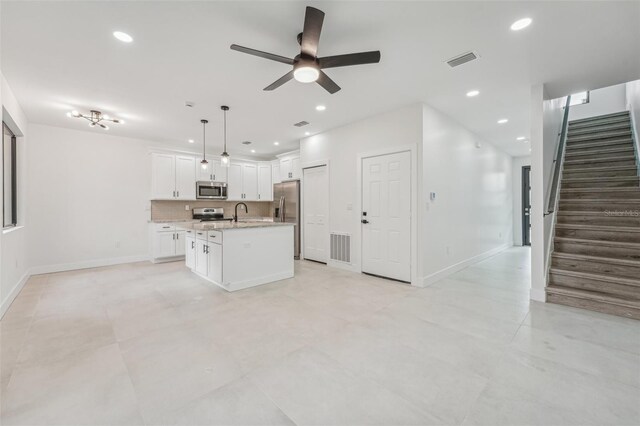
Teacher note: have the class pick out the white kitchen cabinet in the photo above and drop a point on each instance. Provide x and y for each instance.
(275, 172)
(185, 177)
(296, 170)
(201, 257)
(173, 177)
(290, 167)
(250, 181)
(265, 183)
(243, 181)
(214, 172)
(214, 272)
(234, 182)
(166, 242)
(190, 251)
(163, 176)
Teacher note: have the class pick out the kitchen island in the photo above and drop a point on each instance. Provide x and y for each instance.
(239, 255)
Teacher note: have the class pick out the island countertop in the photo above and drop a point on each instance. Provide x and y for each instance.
(226, 225)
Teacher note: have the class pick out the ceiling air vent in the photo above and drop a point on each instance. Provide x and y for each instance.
(462, 59)
(301, 123)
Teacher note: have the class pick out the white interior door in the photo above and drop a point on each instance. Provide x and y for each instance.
(315, 212)
(386, 216)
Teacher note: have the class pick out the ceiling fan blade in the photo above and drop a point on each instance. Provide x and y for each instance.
(328, 84)
(262, 54)
(372, 57)
(279, 82)
(313, 19)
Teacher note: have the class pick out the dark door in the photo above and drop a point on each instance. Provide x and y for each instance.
(526, 205)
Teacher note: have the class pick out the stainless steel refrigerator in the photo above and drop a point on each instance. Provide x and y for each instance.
(286, 208)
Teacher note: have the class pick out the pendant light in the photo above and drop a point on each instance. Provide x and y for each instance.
(225, 161)
(204, 163)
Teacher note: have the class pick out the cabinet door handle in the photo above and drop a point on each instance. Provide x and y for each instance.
(166, 227)
(174, 194)
(213, 177)
(178, 194)
(177, 236)
(193, 244)
(173, 236)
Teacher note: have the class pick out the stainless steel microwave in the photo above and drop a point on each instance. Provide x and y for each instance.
(207, 190)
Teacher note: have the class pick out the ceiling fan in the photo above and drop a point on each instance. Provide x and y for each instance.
(307, 67)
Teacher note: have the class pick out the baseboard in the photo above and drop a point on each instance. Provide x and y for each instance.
(538, 294)
(61, 267)
(16, 290)
(450, 270)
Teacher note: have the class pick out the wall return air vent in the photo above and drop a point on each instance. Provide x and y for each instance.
(301, 123)
(462, 59)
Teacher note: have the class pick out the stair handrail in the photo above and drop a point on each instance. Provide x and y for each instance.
(559, 160)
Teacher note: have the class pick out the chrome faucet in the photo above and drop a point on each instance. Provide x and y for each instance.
(246, 209)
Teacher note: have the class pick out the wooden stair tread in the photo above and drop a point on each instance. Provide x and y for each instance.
(615, 228)
(601, 243)
(601, 189)
(599, 179)
(593, 296)
(604, 135)
(601, 160)
(600, 117)
(599, 259)
(590, 213)
(600, 200)
(601, 169)
(579, 152)
(593, 276)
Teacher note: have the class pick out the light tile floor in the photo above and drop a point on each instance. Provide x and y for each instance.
(153, 344)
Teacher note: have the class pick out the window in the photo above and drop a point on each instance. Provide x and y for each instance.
(579, 98)
(9, 189)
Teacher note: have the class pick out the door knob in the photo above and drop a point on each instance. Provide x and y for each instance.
(365, 221)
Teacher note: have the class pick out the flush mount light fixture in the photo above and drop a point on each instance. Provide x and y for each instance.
(95, 118)
(253, 150)
(472, 93)
(307, 133)
(191, 141)
(520, 138)
(224, 157)
(521, 24)
(124, 37)
(306, 72)
(204, 163)
(320, 108)
(276, 143)
(502, 121)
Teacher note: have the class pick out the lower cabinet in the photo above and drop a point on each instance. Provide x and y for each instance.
(201, 257)
(215, 263)
(166, 242)
(190, 251)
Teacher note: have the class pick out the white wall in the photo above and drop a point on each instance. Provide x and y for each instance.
(632, 103)
(13, 241)
(471, 216)
(603, 101)
(518, 163)
(340, 147)
(88, 199)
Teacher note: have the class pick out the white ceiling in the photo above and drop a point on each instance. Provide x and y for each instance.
(59, 56)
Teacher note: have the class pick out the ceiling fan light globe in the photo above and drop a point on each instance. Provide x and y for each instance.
(306, 74)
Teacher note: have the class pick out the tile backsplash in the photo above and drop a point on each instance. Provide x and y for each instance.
(175, 210)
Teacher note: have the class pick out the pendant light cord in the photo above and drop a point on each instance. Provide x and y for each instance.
(225, 130)
(204, 141)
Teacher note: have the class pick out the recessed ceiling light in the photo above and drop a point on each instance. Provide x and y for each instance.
(191, 141)
(521, 24)
(520, 138)
(320, 108)
(472, 93)
(123, 36)
(502, 121)
(276, 143)
(253, 150)
(307, 133)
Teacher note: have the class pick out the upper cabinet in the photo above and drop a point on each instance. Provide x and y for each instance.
(213, 172)
(249, 181)
(290, 167)
(173, 177)
(265, 184)
(275, 171)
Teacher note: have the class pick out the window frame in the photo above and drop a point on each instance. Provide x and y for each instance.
(14, 179)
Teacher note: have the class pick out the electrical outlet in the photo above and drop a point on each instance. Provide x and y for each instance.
(349, 206)
(186, 207)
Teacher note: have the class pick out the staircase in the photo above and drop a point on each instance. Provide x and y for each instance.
(595, 262)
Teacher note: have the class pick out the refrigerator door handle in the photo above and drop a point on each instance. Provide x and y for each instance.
(281, 208)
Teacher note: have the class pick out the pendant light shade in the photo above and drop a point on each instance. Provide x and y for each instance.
(225, 160)
(204, 163)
